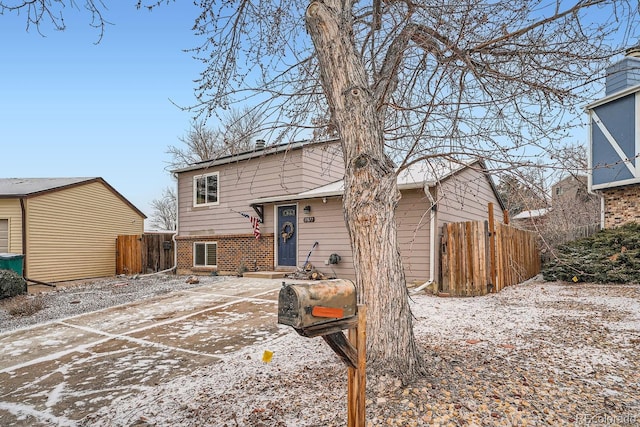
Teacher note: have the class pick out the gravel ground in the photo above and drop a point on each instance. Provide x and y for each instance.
(535, 354)
(72, 298)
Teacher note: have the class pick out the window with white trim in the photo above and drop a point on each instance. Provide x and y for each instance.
(206, 189)
(205, 254)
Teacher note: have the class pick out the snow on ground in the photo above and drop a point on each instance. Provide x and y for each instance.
(72, 298)
(534, 354)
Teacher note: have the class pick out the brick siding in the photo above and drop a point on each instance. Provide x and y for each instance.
(232, 251)
(621, 205)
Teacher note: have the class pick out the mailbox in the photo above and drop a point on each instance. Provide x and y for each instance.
(318, 308)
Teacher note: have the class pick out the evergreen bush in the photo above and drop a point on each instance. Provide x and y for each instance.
(11, 284)
(609, 256)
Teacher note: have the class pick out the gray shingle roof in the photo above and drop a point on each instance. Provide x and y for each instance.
(32, 187)
(16, 187)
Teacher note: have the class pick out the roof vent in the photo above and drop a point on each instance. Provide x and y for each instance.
(260, 144)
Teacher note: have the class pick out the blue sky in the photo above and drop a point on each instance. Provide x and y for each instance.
(71, 108)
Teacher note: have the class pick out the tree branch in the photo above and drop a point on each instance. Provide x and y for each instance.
(515, 34)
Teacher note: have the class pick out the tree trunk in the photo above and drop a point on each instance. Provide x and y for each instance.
(371, 192)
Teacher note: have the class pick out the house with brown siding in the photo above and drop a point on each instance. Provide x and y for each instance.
(297, 192)
(433, 193)
(214, 232)
(66, 228)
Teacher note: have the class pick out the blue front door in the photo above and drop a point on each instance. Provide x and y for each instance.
(286, 235)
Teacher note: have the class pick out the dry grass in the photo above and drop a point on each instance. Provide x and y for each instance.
(23, 305)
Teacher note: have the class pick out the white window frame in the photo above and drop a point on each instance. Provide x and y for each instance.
(206, 244)
(195, 189)
(8, 235)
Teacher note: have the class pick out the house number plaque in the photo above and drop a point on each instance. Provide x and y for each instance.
(310, 219)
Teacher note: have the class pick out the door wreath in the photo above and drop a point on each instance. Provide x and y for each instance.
(286, 231)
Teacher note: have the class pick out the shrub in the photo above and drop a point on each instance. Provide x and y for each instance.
(11, 284)
(242, 268)
(23, 305)
(609, 256)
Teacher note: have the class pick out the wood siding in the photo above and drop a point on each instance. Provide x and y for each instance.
(465, 196)
(329, 230)
(323, 164)
(71, 234)
(271, 175)
(10, 209)
(413, 218)
(239, 183)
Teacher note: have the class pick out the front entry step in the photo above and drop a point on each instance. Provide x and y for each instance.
(265, 274)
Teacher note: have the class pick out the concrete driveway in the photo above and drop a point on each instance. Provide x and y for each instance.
(57, 373)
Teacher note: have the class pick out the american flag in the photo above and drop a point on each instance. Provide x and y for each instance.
(255, 222)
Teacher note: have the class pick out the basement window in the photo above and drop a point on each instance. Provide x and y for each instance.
(205, 254)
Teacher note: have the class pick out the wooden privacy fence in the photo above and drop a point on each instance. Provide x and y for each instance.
(129, 254)
(475, 261)
(144, 253)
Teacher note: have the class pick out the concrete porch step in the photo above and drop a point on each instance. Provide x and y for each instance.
(265, 274)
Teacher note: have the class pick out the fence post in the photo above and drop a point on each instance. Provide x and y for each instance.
(492, 249)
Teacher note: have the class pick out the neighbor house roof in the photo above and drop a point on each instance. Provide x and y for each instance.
(533, 213)
(22, 187)
(419, 175)
(11, 188)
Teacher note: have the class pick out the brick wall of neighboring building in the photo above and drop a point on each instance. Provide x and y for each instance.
(232, 252)
(621, 205)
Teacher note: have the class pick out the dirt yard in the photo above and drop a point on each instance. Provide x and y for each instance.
(535, 354)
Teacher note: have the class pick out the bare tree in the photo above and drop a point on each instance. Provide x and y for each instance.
(407, 80)
(574, 213)
(523, 189)
(43, 12)
(165, 214)
(199, 143)
(238, 129)
(235, 135)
